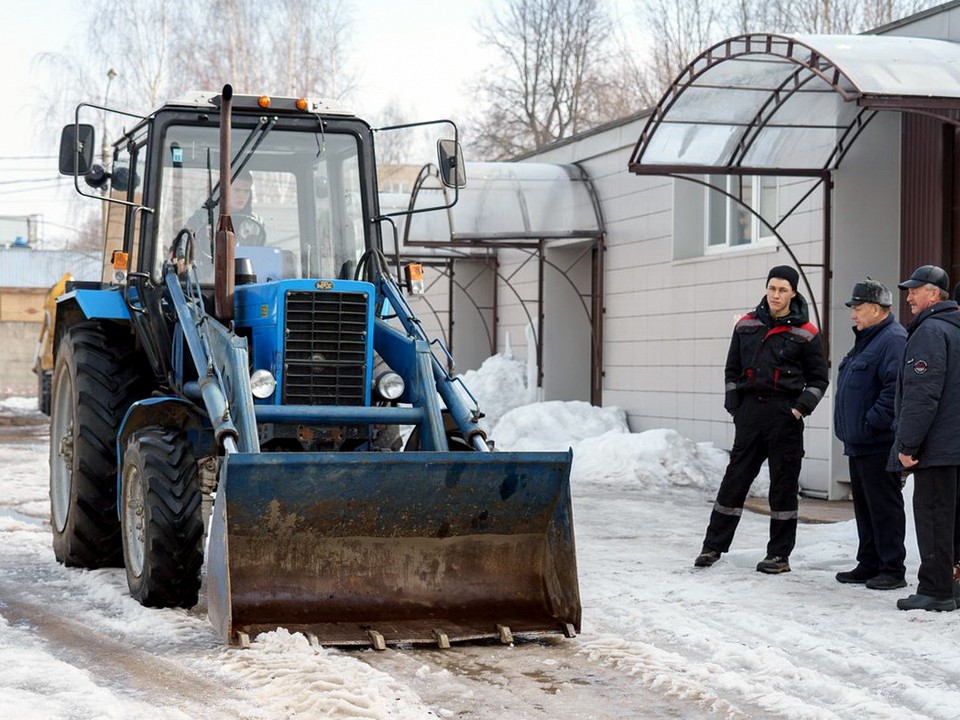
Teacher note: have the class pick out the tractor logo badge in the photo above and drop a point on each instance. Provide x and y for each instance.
(324, 285)
(264, 311)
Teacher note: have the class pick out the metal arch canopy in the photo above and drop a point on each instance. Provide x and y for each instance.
(790, 103)
(505, 203)
(524, 206)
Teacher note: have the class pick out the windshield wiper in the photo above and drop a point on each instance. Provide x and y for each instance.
(253, 141)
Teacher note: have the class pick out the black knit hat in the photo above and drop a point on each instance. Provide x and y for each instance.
(785, 272)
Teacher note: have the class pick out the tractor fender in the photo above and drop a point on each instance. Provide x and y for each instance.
(172, 412)
(79, 305)
(96, 304)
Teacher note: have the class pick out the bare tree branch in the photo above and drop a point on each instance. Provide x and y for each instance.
(558, 74)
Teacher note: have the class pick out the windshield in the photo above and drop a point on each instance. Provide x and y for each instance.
(296, 198)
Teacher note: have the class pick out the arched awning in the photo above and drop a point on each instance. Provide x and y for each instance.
(791, 103)
(506, 203)
(537, 209)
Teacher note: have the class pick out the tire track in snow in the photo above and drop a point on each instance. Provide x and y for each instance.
(715, 635)
(743, 657)
(529, 681)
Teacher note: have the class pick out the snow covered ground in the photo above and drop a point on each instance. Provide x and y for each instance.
(660, 638)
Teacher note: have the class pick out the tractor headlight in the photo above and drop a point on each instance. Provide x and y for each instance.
(262, 384)
(390, 385)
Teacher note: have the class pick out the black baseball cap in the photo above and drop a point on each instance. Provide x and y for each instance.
(927, 275)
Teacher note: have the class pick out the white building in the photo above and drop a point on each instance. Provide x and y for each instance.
(845, 145)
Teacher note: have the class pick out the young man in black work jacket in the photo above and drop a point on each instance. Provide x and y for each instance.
(776, 373)
(926, 421)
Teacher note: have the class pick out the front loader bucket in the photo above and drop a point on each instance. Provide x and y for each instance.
(361, 548)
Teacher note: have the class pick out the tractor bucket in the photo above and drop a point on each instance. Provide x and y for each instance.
(388, 548)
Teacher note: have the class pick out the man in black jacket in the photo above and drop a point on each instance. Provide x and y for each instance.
(776, 374)
(863, 419)
(927, 418)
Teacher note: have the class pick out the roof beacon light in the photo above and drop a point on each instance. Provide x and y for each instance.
(302, 104)
(264, 101)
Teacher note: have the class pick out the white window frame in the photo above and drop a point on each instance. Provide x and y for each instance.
(723, 215)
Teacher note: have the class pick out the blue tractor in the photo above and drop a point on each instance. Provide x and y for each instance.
(227, 403)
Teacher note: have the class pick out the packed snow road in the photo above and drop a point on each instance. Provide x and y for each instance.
(660, 639)
(74, 645)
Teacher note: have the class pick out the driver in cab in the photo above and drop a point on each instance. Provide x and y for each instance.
(247, 226)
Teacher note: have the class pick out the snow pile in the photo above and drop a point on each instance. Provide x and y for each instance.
(313, 682)
(604, 449)
(556, 425)
(653, 458)
(19, 405)
(499, 385)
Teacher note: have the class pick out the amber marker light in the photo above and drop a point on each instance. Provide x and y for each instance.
(302, 104)
(120, 261)
(264, 101)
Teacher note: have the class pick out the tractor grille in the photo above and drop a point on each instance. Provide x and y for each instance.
(325, 349)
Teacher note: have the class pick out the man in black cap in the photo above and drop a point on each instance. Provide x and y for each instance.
(775, 376)
(927, 418)
(862, 420)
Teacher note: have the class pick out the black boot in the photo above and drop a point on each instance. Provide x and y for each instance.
(774, 565)
(857, 576)
(706, 558)
(927, 602)
(886, 581)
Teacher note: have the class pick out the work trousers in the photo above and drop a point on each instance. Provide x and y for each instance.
(878, 506)
(935, 512)
(765, 430)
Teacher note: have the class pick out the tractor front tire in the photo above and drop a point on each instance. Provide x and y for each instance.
(162, 520)
(96, 378)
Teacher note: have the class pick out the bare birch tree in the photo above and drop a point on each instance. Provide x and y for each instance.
(281, 46)
(682, 29)
(554, 76)
(138, 36)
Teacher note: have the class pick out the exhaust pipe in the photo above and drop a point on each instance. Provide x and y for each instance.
(224, 243)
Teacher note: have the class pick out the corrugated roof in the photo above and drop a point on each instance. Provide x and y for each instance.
(30, 268)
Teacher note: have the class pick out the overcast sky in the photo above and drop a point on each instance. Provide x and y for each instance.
(421, 54)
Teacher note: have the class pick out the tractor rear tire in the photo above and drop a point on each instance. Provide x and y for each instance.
(162, 519)
(96, 378)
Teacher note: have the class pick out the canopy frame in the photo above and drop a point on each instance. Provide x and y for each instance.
(813, 66)
(534, 243)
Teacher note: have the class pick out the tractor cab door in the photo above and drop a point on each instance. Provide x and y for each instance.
(121, 222)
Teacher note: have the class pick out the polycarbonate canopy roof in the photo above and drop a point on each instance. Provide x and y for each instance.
(505, 201)
(791, 102)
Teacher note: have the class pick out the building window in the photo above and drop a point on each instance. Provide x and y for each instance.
(727, 223)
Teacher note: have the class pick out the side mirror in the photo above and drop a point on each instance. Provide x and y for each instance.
(453, 173)
(76, 149)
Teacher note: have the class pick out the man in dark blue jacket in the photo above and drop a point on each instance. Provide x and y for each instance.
(775, 374)
(862, 419)
(927, 418)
